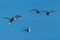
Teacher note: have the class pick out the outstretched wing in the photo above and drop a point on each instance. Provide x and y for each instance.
(51, 11)
(22, 30)
(17, 16)
(5, 17)
(33, 10)
(30, 27)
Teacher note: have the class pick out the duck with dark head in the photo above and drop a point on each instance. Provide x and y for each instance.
(27, 29)
(13, 18)
(49, 12)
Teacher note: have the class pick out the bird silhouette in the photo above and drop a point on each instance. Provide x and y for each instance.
(36, 10)
(27, 29)
(49, 12)
(12, 19)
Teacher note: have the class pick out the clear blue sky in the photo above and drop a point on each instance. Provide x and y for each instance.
(43, 28)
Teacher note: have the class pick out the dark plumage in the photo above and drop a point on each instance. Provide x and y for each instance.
(13, 18)
(49, 12)
(27, 30)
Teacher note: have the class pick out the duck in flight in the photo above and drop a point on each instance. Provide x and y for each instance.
(13, 18)
(49, 12)
(27, 29)
(36, 10)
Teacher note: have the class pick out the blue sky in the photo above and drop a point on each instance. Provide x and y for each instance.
(43, 27)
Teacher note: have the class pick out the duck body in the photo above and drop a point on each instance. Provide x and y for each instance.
(28, 30)
(47, 13)
(12, 19)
